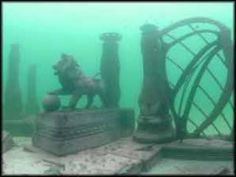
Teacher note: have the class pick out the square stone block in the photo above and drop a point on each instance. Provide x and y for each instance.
(66, 132)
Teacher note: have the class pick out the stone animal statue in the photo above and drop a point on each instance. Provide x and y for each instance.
(74, 82)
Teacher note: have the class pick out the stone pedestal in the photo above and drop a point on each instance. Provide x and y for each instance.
(66, 132)
(13, 106)
(22, 127)
(110, 68)
(154, 130)
(155, 125)
(7, 141)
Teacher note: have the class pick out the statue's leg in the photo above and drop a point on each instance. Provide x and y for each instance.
(73, 101)
(89, 100)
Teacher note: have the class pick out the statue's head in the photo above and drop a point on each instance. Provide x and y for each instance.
(65, 64)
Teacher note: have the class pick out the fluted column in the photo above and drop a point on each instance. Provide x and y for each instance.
(110, 69)
(12, 96)
(154, 121)
(32, 106)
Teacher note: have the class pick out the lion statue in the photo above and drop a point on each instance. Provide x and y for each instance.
(74, 82)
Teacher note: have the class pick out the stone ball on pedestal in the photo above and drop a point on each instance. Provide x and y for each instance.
(51, 102)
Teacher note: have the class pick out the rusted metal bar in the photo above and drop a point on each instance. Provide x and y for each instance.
(176, 64)
(200, 110)
(212, 75)
(222, 41)
(226, 43)
(176, 41)
(183, 94)
(188, 49)
(196, 83)
(191, 121)
(181, 102)
(214, 104)
(183, 78)
(218, 83)
(199, 32)
(205, 115)
(204, 92)
(215, 79)
(184, 45)
(196, 20)
(192, 20)
(190, 65)
(175, 115)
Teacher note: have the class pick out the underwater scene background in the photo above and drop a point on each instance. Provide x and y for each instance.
(46, 30)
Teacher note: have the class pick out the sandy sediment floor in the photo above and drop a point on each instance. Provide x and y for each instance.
(113, 158)
(193, 167)
(108, 159)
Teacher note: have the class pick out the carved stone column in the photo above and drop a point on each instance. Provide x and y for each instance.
(110, 68)
(13, 107)
(154, 122)
(32, 106)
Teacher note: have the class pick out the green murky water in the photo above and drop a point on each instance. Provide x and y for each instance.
(45, 30)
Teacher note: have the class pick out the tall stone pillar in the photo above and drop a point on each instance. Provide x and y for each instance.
(32, 106)
(12, 97)
(154, 122)
(110, 69)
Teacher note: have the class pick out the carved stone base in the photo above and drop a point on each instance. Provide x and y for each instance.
(154, 130)
(7, 141)
(63, 133)
(21, 127)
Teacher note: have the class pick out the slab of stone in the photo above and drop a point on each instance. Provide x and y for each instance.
(21, 127)
(123, 156)
(199, 149)
(105, 164)
(108, 159)
(154, 129)
(68, 132)
(191, 167)
(7, 141)
(207, 142)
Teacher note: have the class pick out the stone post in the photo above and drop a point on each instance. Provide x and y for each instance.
(154, 122)
(110, 69)
(32, 106)
(12, 96)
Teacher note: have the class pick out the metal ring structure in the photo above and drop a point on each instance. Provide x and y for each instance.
(199, 63)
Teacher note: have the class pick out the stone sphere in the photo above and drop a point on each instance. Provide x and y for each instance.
(51, 102)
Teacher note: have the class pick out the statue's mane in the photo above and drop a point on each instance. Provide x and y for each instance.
(69, 71)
